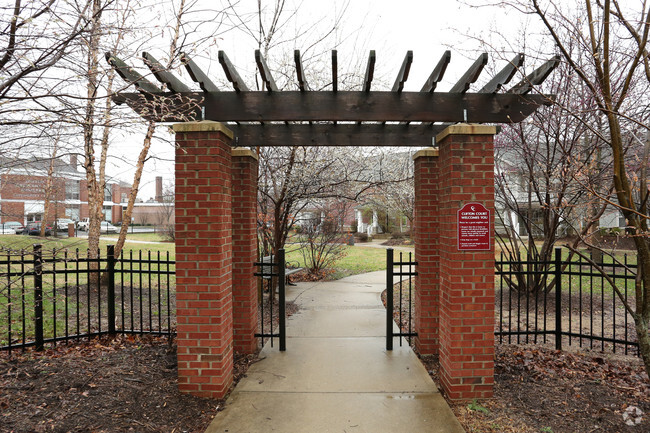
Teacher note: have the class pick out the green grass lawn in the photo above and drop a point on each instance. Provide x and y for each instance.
(357, 260)
(20, 242)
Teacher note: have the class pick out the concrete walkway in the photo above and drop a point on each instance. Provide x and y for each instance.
(336, 375)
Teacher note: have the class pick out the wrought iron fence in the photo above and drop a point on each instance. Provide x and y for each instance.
(566, 301)
(58, 295)
(406, 271)
(272, 278)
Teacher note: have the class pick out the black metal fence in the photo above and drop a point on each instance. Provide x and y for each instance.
(406, 270)
(566, 302)
(58, 295)
(272, 278)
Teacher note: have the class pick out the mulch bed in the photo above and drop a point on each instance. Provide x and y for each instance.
(129, 384)
(107, 385)
(125, 383)
(543, 390)
(538, 389)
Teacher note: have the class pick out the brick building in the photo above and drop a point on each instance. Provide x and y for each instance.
(23, 191)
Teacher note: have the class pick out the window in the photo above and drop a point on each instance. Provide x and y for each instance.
(108, 195)
(107, 211)
(72, 211)
(72, 190)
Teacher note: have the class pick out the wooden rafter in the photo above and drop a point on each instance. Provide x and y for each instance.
(231, 73)
(300, 72)
(335, 72)
(504, 76)
(370, 71)
(537, 77)
(197, 75)
(131, 76)
(163, 75)
(403, 73)
(265, 72)
(471, 75)
(437, 74)
(327, 118)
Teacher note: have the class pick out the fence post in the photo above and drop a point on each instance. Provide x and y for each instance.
(281, 300)
(38, 296)
(110, 269)
(389, 299)
(558, 299)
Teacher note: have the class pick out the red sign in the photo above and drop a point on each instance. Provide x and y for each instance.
(474, 232)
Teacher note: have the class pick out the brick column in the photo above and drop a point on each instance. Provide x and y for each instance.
(204, 258)
(244, 245)
(427, 283)
(466, 277)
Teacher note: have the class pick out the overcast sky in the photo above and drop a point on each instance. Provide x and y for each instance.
(389, 27)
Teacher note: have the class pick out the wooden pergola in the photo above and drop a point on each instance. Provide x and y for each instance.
(216, 190)
(363, 117)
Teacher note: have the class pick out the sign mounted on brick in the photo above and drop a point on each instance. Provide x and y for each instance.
(474, 232)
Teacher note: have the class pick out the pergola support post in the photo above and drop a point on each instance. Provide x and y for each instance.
(244, 244)
(466, 334)
(427, 284)
(204, 258)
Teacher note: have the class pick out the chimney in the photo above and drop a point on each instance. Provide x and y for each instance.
(73, 160)
(159, 189)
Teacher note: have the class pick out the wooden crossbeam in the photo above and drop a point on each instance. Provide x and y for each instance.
(335, 135)
(471, 75)
(403, 73)
(438, 73)
(265, 72)
(163, 75)
(131, 76)
(344, 106)
(302, 81)
(231, 73)
(370, 71)
(335, 72)
(504, 76)
(197, 74)
(537, 77)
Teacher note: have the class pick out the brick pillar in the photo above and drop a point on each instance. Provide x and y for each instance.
(427, 283)
(466, 277)
(244, 245)
(204, 258)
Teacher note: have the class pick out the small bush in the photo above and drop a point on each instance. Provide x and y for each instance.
(362, 237)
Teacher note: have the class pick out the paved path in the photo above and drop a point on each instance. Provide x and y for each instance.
(336, 375)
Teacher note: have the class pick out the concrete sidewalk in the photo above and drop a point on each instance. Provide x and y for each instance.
(336, 375)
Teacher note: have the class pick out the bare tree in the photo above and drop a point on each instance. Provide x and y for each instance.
(605, 44)
(321, 236)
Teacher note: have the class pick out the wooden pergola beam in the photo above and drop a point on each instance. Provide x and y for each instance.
(358, 106)
(335, 135)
